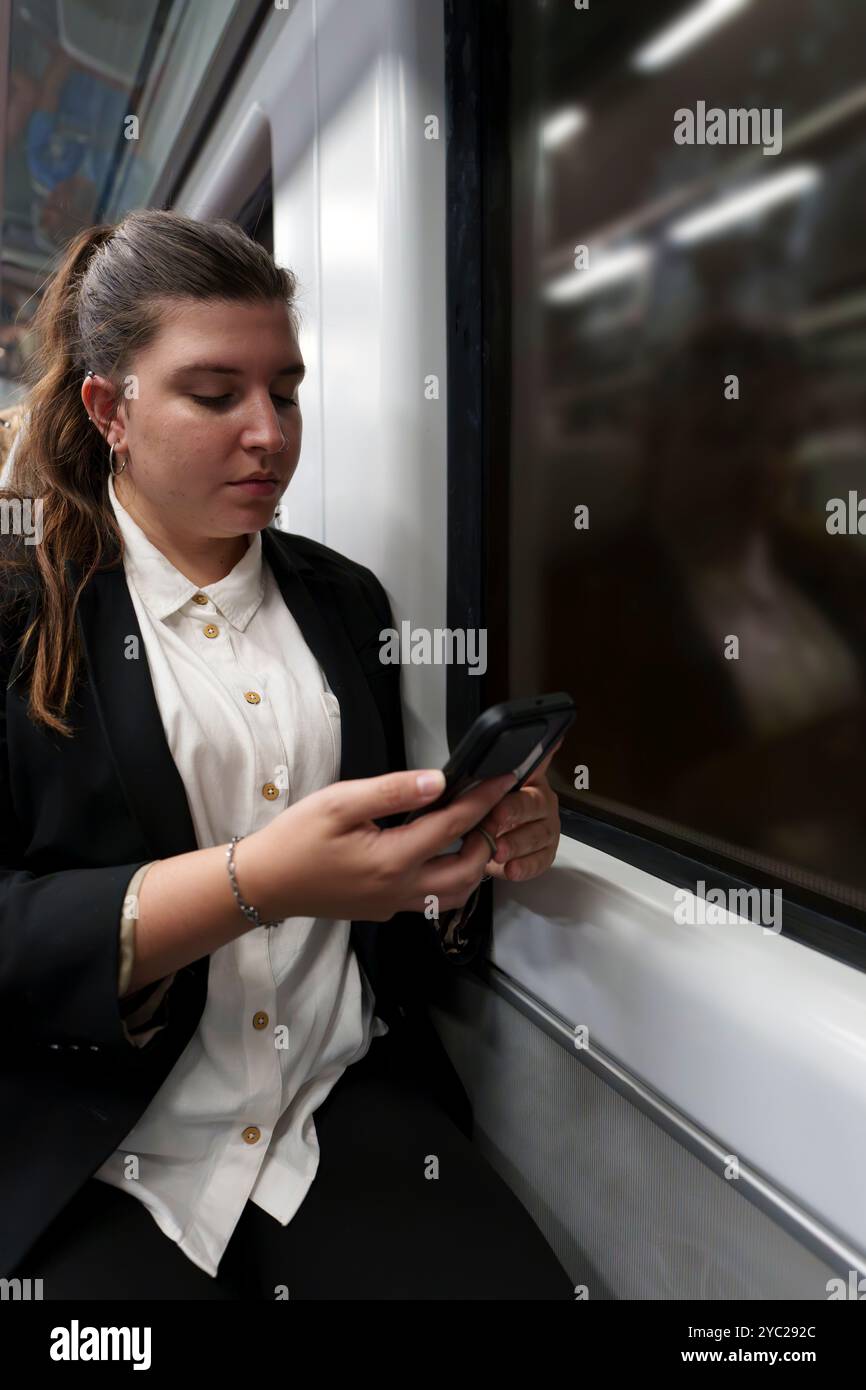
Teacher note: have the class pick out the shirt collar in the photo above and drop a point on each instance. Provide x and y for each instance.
(162, 587)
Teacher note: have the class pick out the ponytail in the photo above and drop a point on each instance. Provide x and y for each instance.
(59, 460)
(103, 304)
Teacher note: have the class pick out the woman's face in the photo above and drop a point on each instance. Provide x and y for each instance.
(213, 399)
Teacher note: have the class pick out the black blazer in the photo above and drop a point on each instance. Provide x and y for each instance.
(78, 816)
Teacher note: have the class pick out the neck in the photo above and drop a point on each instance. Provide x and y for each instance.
(202, 560)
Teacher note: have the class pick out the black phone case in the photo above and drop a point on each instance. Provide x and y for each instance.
(515, 735)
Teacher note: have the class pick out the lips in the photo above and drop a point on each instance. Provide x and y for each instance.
(258, 487)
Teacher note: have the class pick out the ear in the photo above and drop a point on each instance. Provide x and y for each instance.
(98, 396)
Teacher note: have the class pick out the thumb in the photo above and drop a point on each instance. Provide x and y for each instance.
(371, 798)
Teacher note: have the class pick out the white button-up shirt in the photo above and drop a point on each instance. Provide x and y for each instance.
(247, 711)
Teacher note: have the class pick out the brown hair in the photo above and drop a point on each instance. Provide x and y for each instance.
(102, 306)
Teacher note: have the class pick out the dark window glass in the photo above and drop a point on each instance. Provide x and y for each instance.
(695, 379)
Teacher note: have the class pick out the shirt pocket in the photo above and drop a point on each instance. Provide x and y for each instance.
(335, 724)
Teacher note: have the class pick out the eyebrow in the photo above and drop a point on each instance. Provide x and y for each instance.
(297, 369)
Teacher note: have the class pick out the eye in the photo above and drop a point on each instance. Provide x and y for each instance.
(216, 402)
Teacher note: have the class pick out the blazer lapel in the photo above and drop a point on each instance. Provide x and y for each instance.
(309, 600)
(124, 696)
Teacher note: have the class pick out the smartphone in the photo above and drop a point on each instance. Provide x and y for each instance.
(514, 736)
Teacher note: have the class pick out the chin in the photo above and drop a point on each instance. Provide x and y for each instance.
(253, 514)
(250, 502)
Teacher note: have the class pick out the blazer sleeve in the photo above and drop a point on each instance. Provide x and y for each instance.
(59, 944)
(59, 937)
(458, 943)
(142, 1013)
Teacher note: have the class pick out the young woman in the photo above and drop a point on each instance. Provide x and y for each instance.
(205, 936)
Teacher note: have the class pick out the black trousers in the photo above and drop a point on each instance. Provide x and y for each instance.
(372, 1226)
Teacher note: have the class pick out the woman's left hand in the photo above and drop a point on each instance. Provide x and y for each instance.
(525, 826)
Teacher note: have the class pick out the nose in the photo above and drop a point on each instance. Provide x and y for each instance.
(262, 427)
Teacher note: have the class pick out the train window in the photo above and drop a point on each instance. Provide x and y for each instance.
(104, 98)
(683, 411)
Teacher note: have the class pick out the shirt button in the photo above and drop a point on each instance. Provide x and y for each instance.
(211, 630)
(252, 1134)
(199, 598)
(270, 792)
(260, 1020)
(252, 697)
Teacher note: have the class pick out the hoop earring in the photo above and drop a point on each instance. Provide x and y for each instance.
(112, 470)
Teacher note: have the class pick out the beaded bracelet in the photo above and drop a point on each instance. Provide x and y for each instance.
(249, 912)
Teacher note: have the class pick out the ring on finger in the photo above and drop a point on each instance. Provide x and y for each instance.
(490, 840)
(492, 843)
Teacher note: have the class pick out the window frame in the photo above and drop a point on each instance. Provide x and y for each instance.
(479, 386)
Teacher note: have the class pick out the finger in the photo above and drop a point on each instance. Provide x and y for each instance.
(528, 839)
(368, 798)
(527, 866)
(432, 833)
(529, 804)
(474, 854)
(457, 875)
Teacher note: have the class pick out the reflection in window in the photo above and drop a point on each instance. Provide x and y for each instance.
(689, 350)
(97, 93)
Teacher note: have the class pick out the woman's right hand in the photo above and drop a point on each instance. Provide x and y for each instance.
(325, 857)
